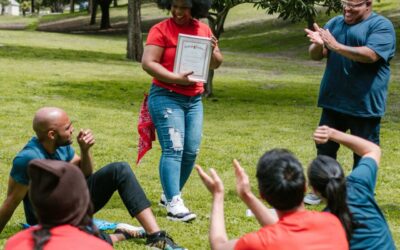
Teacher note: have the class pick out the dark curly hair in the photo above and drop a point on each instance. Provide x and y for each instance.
(199, 8)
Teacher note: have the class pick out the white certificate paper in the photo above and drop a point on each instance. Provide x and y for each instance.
(193, 53)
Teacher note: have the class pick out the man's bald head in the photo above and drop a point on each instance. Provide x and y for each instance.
(47, 118)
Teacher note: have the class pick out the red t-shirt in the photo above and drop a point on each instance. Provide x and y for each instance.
(165, 34)
(298, 230)
(65, 237)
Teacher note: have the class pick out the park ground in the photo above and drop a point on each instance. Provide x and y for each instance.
(264, 97)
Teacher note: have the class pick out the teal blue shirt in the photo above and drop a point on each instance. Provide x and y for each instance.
(373, 232)
(19, 171)
(354, 88)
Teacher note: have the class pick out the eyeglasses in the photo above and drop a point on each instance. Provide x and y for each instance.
(351, 6)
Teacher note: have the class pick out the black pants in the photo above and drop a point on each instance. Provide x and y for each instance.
(367, 128)
(117, 176)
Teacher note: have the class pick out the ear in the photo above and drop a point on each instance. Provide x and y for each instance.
(51, 134)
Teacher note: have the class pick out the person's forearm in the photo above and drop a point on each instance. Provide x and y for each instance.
(216, 59)
(217, 234)
(6, 211)
(158, 71)
(261, 212)
(357, 144)
(86, 163)
(316, 52)
(359, 54)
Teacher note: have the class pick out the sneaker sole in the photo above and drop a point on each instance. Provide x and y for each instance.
(311, 202)
(162, 204)
(186, 218)
(123, 227)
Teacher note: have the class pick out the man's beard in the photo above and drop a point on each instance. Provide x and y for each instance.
(61, 143)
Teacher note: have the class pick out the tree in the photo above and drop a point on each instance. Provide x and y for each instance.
(24, 7)
(298, 10)
(105, 13)
(4, 3)
(93, 11)
(38, 5)
(135, 41)
(72, 6)
(56, 6)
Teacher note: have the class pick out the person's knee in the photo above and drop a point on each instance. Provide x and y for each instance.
(191, 153)
(123, 168)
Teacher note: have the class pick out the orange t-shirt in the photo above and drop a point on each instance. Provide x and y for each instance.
(165, 34)
(65, 237)
(299, 230)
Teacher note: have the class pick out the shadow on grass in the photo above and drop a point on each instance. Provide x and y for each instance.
(264, 36)
(25, 52)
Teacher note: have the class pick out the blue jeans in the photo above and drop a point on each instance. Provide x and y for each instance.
(364, 127)
(179, 122)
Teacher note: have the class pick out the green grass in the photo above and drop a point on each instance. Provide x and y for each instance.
(265, 97)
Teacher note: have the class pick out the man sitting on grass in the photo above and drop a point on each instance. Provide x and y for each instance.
(281, 183)
(53, 141)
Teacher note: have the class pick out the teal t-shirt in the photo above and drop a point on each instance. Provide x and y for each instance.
(19, 171)
(373, 231)
(354, 88)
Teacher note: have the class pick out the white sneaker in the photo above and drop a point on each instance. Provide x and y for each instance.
(311, 199)
(177, 210)
(163, 201)
(129, 231)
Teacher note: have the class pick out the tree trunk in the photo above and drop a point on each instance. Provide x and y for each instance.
(72, 6)
(105, 14)
(33, 6)
(115, 3)
(208, 86)
(135, 41)
(93, 13)
(219, 29)
(3, 9)
(90, 4)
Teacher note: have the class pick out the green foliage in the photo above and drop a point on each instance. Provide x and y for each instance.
(4, 2)
(25, 5)
(298, 10)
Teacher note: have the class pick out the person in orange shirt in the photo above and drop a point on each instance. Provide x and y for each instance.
(281, 182)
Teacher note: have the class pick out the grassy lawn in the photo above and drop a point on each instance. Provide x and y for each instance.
(265, 97)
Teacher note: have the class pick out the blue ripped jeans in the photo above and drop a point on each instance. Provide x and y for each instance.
(179, 122)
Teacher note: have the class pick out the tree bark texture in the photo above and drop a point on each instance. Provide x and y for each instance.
(135, 41)
(95, 4)
(32, 6)
(105, 14)
(72, 6)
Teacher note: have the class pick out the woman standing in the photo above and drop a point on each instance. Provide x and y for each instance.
(175, 100)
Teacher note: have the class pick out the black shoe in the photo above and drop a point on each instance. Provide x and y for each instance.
(161, 240)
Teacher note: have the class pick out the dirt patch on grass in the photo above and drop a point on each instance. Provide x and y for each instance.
(13, 26)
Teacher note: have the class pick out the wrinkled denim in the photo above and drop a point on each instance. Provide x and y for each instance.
(179, 121)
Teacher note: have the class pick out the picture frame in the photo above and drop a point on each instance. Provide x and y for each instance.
(193, 53)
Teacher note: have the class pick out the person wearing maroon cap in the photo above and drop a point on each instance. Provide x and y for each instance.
(61, 200)
(53, 141)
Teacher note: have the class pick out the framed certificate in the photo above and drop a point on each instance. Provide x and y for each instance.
(193, 53)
